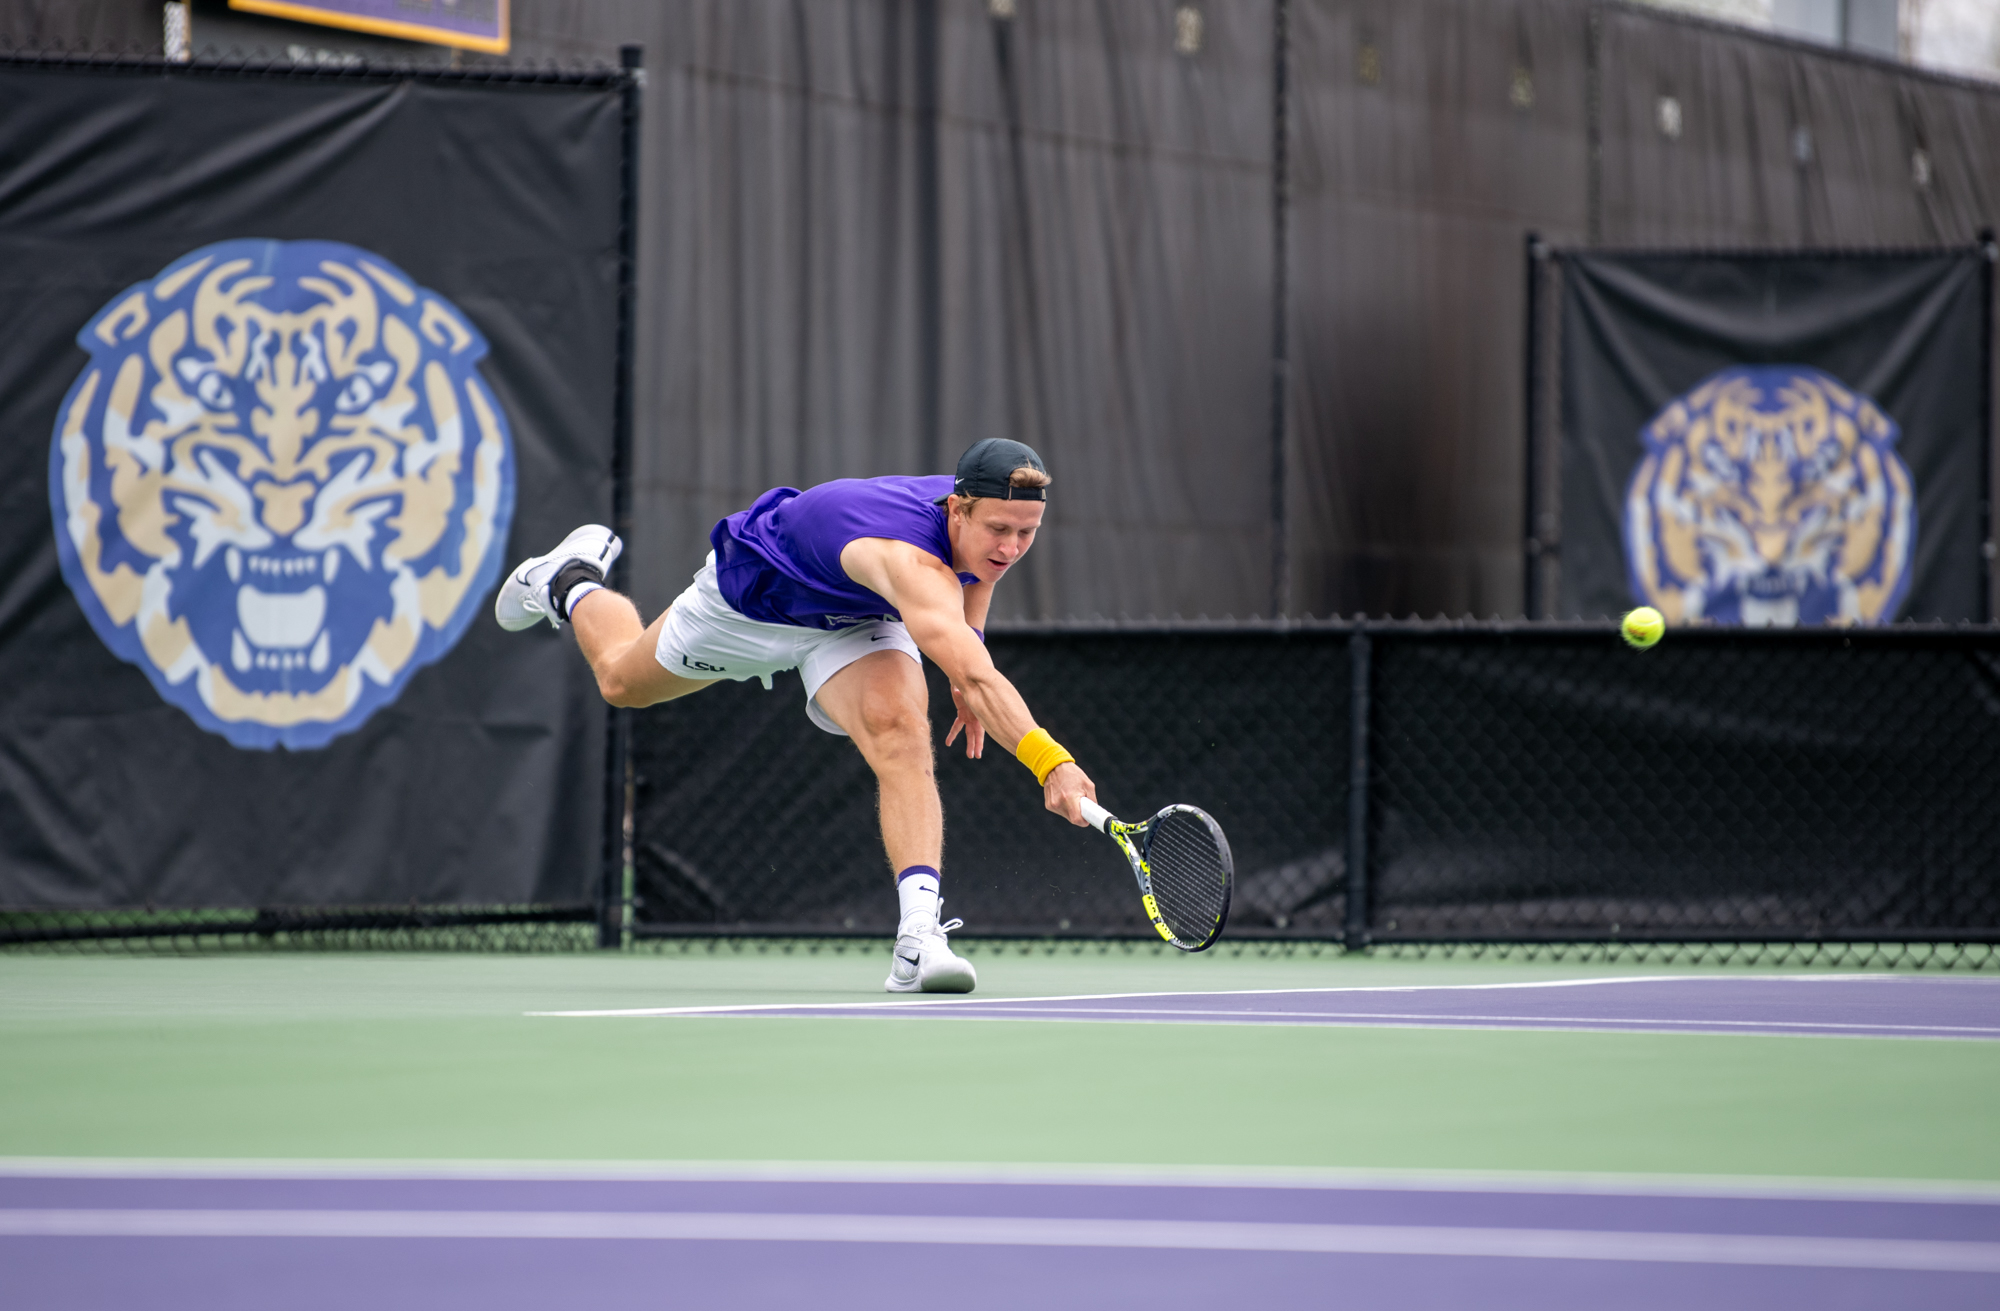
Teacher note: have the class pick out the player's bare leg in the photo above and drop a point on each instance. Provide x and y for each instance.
(621, 652)
(883, 704)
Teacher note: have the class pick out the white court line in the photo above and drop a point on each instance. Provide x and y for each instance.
(978, 1002)
(1810, 1026)
(1022, 1231)
(1222, 1019)
(1063, 1174)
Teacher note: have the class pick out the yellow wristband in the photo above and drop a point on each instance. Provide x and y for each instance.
(1041, 754)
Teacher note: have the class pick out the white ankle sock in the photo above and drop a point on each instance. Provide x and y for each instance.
(917, 891)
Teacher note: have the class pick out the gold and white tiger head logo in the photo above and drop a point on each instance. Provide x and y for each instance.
(280, 485)
(1771, 496)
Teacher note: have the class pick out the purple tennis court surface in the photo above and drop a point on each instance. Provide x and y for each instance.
(1855, 1006)
(217, 1242)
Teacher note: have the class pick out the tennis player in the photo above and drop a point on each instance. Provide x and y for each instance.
(847, 583)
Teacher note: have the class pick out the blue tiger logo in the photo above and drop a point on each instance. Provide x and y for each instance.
(1771, 496)
(280, 485)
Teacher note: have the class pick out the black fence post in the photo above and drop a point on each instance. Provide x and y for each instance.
(1359, 659)
(1989, 251)
(1281, 55)
(930, 240)
(1531, 392)
(610, 897)
(1593, 122)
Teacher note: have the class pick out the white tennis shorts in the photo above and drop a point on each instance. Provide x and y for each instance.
(705, 638)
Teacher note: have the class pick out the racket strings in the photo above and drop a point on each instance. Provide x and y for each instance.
(1189, 875)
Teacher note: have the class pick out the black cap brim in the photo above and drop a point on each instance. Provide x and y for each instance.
(987, 470)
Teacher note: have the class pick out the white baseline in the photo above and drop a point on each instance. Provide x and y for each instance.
(1019, 1231)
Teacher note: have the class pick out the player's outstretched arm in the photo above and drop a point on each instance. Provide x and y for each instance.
(978, 599)
(929, 598)
(946, 638)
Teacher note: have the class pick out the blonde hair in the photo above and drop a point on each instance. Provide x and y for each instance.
(1025, 476)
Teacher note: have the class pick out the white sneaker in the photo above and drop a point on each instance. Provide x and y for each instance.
(524, 597)
(925, 962)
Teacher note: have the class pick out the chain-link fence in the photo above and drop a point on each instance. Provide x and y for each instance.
(353, 928)
(1814, 797)
(1527, 783)
(1739, 785)
(746, 815)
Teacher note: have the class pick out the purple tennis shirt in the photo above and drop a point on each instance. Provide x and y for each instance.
(779, 560)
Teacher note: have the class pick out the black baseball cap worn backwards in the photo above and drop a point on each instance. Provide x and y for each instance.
(984, 470)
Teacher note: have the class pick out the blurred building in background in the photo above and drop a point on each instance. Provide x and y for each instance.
(1950, 36)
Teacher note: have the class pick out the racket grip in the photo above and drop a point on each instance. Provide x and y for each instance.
(1094, 814)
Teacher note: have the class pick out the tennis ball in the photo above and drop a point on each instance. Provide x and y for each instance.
(1643, 627)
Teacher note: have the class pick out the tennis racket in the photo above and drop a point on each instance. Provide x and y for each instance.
(1183, 866)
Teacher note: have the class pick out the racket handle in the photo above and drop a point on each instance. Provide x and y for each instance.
(1094, 814)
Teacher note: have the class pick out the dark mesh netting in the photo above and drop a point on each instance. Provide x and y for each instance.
(1524, 783)
(332, 928)
(1780, 785)
(748, 815)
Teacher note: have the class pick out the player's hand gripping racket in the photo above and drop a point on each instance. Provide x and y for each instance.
(1183, 866)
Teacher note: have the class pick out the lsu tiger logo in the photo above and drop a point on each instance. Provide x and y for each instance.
(280, 485)
(1771, 496)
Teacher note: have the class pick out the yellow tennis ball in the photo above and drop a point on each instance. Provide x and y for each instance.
(1643, 627)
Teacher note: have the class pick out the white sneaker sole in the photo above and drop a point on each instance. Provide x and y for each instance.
(516, 607)
(951, 975)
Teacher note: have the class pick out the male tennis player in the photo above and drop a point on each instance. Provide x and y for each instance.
(846, 582)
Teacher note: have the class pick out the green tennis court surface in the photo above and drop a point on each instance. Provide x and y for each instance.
(436, 1057)
(1125, 1128)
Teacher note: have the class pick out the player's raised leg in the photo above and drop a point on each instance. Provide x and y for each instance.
(882, 703)
(623, 654)
(568, 583)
